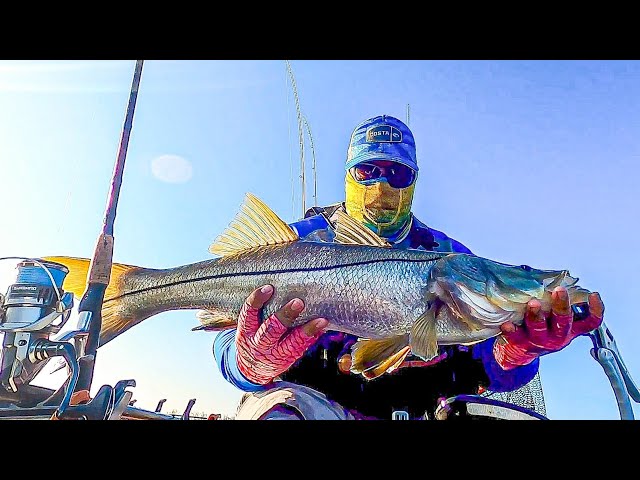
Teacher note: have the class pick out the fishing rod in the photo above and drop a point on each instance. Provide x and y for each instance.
(90, 307)
(300, 136)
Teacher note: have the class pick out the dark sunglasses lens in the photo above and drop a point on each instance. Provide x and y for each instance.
(365, 171)
(400, 176)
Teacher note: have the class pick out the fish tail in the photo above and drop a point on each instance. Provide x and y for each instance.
(114, 321)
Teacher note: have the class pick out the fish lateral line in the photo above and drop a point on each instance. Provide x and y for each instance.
(262, 272)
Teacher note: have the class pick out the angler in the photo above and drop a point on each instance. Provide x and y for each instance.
(316, 380)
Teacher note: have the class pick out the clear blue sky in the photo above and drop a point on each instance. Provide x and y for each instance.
(532, 162)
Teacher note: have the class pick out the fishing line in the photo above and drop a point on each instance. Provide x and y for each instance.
(300, 136)
(67, 201)
(74, 164)
(313, 163)
(44, 267)
(293, 197)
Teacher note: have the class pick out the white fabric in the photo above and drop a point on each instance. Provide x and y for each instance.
(311, 404)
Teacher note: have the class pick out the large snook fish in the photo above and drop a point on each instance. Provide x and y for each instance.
(396, 301)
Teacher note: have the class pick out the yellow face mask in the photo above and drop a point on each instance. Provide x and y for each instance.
(382, 208)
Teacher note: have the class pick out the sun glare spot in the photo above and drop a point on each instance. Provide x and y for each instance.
(171, 169)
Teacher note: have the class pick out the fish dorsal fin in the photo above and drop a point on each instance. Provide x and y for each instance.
(255, 225)
(350, 231)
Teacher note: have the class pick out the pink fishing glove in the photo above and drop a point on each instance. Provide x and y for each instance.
(544, 332)
(266, 350)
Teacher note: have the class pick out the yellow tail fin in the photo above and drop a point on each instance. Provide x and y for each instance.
(76, 282)
(76, 279)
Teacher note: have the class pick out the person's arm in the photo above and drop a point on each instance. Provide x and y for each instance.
(224, 353)
(501, 380)
(310, 226)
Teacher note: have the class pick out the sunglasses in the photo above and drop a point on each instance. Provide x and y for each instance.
(396, 175)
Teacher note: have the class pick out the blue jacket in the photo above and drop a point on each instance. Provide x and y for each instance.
(315, 226)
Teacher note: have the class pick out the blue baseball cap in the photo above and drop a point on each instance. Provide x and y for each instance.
(382, 138)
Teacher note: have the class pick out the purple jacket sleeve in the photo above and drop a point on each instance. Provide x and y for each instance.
(503, 380)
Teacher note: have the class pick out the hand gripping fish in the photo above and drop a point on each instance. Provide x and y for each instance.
(395, 301)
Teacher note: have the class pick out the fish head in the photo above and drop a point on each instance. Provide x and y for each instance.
(488, 293)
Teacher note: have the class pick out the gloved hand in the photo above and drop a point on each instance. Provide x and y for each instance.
(268, 349)
(544, 332)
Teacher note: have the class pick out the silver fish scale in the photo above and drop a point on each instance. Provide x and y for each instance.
(373, 300)
(367, 291)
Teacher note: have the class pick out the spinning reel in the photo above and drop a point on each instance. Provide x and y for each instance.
(33, 310)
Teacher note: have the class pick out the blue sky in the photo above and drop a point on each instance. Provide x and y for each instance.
(533, 162)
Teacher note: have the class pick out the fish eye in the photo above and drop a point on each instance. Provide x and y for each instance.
(526, 268)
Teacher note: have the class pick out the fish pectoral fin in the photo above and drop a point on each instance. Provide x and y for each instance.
(423, 338)
(214, 321)
(349, 231)
(378, 356)
(256, 225)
